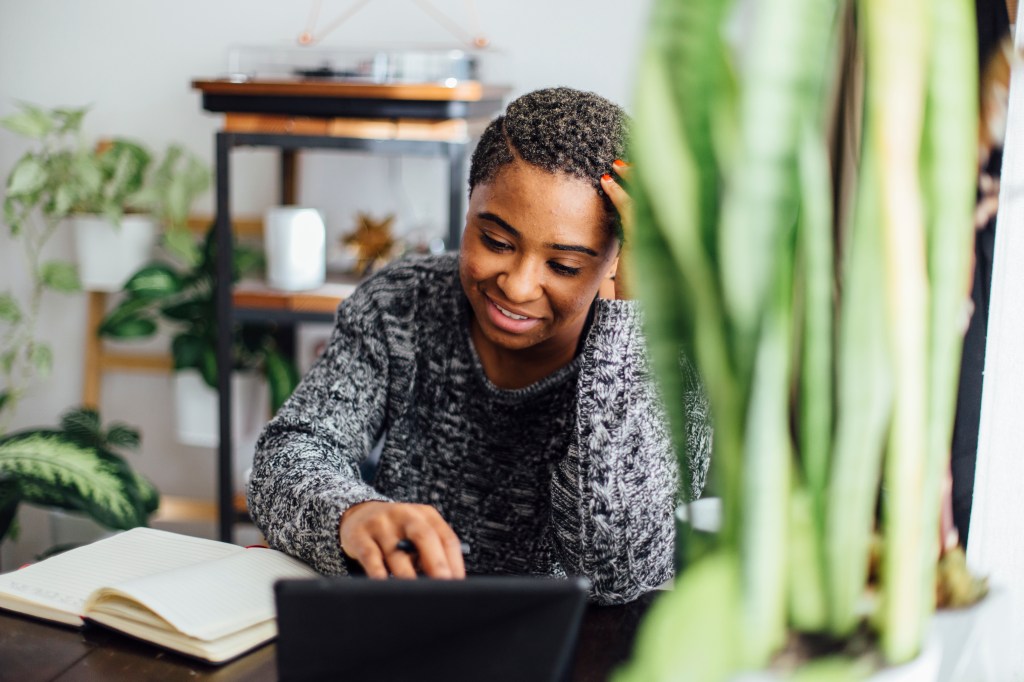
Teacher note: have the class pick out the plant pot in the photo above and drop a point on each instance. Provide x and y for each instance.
(197, 415)
(923, 668)
(69, 529)
(109, 254)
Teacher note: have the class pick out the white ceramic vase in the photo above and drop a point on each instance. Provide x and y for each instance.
(296, 248)
(109, 254)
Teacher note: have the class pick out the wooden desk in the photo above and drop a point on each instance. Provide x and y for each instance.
(32, 651)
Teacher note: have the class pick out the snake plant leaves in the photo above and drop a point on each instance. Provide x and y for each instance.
(50, 469)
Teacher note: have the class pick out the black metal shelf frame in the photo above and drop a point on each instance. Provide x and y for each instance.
(455, 153)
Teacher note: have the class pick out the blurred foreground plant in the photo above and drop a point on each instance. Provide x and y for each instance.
(829, 339)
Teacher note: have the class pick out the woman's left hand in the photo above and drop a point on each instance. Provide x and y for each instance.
(624, 205)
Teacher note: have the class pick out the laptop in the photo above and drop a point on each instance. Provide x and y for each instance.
(491, 628)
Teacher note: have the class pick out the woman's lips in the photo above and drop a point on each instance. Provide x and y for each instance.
(509, 324)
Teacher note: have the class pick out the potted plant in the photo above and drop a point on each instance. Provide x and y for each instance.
(75, 468)
(828, 339)
(182, 296)
(110, 192)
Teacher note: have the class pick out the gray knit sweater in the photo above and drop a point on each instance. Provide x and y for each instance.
(572, 475)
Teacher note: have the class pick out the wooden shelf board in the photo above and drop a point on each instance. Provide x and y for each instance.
(175, 508)
(135, 362)
(325, 299)
(463, 91)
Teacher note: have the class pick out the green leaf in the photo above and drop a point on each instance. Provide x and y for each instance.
(187, 351)
(10, 311)
(63, 200)
(247, 261)
(129, 327)
(50, 469)
(10, 496)
(32, 122)
(132, 308)
(5, 396)
(190, 310)
(208, 366)
(7, 360)
(11, 215)
(82, 425)
(123, 436)
(282, 378)
(42, 358)
(60, 276)
(153, 281)
(69, 120)
(181, 243)
(673, 644)
(27, 177)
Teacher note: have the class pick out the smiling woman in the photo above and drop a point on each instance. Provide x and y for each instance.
(510, 387)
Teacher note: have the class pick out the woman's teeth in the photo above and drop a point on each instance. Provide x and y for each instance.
(509, 314)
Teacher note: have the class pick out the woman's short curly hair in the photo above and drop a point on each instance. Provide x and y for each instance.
(560, 130)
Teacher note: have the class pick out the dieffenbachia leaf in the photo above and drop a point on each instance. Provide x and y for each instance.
(50, 469)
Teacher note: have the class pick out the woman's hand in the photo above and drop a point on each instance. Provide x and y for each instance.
(370, 531)
(624, 205)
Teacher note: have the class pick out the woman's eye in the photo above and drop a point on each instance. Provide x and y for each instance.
(492, 243)
(564, 269)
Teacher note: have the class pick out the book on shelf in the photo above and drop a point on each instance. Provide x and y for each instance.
(207, 599)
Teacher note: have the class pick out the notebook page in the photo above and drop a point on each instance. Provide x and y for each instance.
(214, 599)
(63, 582)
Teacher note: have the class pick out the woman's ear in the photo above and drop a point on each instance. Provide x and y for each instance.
(607, 286)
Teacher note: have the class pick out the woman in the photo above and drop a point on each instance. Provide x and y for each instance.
(516, 409)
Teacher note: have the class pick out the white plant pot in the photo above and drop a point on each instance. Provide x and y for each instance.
(72, 529)
(109, 254)
(923, 668)
(197, 415)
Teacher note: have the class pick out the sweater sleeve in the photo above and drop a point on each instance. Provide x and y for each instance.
(306, 466)
(614, 494)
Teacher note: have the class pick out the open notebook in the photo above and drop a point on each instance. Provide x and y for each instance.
(207, 599)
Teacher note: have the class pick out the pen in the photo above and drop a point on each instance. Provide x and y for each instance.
(406, 545)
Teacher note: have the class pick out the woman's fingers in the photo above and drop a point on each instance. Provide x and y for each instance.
(623, 169)
(451, 546)
(624, 205)
(433, 558)
(371, 533)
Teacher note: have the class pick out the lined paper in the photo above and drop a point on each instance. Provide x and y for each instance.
(63, 582)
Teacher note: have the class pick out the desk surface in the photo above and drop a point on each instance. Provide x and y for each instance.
(32, 650)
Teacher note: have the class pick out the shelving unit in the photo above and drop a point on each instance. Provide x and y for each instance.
(396, 120)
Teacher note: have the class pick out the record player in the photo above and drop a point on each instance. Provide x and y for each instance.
(423, 83)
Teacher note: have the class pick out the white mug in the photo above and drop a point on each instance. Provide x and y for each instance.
(295, 243)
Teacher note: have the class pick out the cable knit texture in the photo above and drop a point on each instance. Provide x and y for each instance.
(572, 475)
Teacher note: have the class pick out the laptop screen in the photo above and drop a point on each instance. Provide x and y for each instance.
(481, 628)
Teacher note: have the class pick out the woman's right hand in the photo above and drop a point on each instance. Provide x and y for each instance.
(370, 532)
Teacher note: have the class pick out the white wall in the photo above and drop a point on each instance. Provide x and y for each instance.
(133, 61)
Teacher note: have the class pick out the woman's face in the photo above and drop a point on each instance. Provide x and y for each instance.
(535, 250)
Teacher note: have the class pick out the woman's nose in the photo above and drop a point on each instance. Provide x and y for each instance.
(521, 282)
